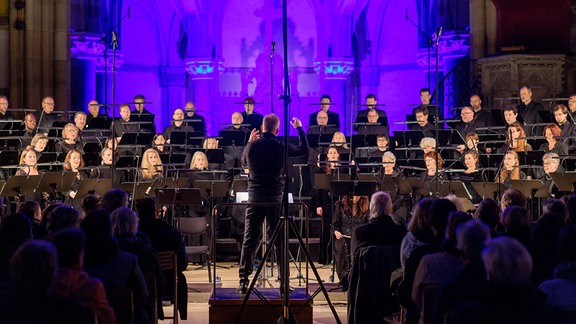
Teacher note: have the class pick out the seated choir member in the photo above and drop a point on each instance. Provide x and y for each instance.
(72, 163)
(322, 125)
(151, 165)
(471, 161)
(251, 117)
(339, 142)
(104, 170)
(177, 125)
(551, 163)
(38, 144)
(210, 143)
(323, 203)
(28, 165)
(510, 169)
(518, 140)
(382, 142)
(553, 145)
(349, 213)
(568, 128)
(433, 169)
(158, 142)
(70, 140)
(421, 115)
(399, 203)
(199, 161)
(333, 118)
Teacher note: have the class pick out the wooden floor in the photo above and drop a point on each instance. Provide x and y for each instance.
(198, 301)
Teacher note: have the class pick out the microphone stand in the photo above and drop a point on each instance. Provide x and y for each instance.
(272, 52)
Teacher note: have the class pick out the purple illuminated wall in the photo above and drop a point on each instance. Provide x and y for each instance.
(217, 52)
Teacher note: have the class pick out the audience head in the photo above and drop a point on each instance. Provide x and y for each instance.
(100, 245)
(90, 203)
(63, 217)
(488, 212)
(113, 199)
(507, 261)
(33, 268)
(512, 197)
(516, 222)
(31, 209)
(471, 237)
(69, 243)
(421, 216)
(440, 210)
(125, 222)
(555, 206)
(380, 205)
(567, 243)
(146, 208)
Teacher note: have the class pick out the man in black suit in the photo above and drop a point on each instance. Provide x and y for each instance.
(333, 118)
(482, 117)
(528, 110)
(251, 117)
(194, 120)
(422, 122)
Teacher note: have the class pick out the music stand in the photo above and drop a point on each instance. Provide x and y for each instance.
(373, 177)
(48, 157)
(234, 137)
(564, 181)
(93, 186)
(99, 123)
(131, 139)
(457, 188)
(314, 140)
(418, 186)
(9, 158)
(21, 186)
(173, 158)
(530, 188)
(175, 183)
(322, 181)
(487, 189)
(179, 196)
(408, 138)
(215, 155)
(138, 190)
(212, 188)
(240, 185)
(53, 182)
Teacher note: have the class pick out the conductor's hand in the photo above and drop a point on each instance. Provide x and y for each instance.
(338, 235)
(319, 211)
(296, 122)
(254, 134)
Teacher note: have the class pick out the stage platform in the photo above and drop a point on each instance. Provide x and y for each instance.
(225, 307)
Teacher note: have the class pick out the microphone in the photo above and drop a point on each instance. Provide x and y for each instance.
(273, 46)
(438, 34)
(114, 39)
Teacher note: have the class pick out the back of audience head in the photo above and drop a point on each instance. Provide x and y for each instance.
(31, 209)
(571, 204)
(90, 203)
(507, 261)
(556, 206)
(100, 245)
(146, 209)
(440, 210)
(125, 222)
(63, 217)
(488, 212)
(454, 220)
(471, 239)
(14, 230)
(456, 201)
(566, 244)
(421, 216)
(547, 227)
(380, 205)
(113, 199)
(33, 267)
(69, 243)
(512, 197)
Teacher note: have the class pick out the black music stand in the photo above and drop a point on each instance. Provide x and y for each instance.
(322, 181)
(9, 158)
(129, 161)
(130, 139)
(404, 187)
(314, 140)
(418, 186)
(492, 160)
(93, 186)
(374, 177)
(488, 189)
(179, 196)
(21, 186)
(173, 158)
(234, 137)
(240, 185)
(564, 181)
(212, 188)
(48, 157)
(138, 190)
(54, 182)
(99, 123)
(215, 155)
(408, 138)
(528, 187)
(457, 188)
(175, 183)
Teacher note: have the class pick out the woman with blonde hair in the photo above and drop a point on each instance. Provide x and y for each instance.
(28, 163)
(199, 161)
(70, 140)
(210, 143)
(151, 165)
(38, 144)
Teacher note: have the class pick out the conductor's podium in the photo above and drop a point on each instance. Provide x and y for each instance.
(224, 308)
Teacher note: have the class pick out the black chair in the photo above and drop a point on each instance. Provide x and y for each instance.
(195, 227)
(169, 263)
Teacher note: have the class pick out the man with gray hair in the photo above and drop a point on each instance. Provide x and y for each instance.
(381, 229)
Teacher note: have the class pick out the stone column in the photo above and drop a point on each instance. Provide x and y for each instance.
(85, 49)
(173, 83)
(204, 76)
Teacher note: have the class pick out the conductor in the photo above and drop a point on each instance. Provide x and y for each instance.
(264, 157)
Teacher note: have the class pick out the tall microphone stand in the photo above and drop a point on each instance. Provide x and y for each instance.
(272, 52)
